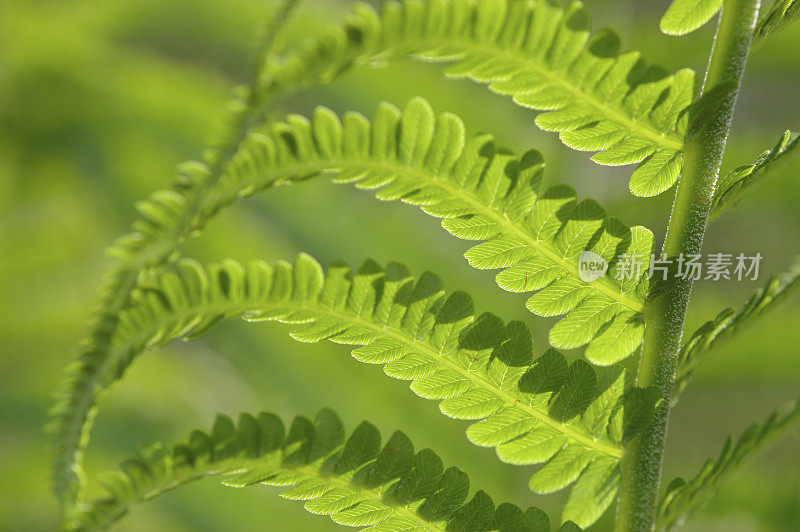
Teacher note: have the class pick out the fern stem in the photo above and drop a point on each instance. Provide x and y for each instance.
(643, 458)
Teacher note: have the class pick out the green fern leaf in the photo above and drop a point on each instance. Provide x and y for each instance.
(661, 170)
(782, 14)
(683, 498)
(626, 92)
(540, 53)
(532, 411)
(729, 322)
(481, 193)
(353, 480)
(685, 16)
(738, 181)
(624, 95)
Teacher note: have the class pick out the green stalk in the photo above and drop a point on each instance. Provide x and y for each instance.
(643, 458)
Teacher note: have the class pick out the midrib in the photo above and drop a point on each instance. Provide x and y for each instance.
(525, 61)
(528, 239)
(474, 378)
(602, 285)
(308, 470)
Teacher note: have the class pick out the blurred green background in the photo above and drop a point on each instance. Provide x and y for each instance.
(100, 99)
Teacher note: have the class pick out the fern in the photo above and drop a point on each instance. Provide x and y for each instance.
(782, 14)
(625, 98)
(72, 415)
(271, 37)
(738, 181)
(600, 430)
(544, 411)
(482, 192)
(728, 322)
(685, 16)
(350, 479)
(683, 498)
(541, 54)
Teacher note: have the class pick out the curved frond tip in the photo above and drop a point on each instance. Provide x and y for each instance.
(353, 479)
(540, 53)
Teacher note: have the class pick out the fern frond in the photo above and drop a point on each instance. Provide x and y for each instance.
(782, 14)
(168, 216)
(481, 193)
(71, 417)
(350, 479)
(540, 53)
(634, 114)
(569, 417)
(271, 38)
(738, 181)
(714, 333)
(683, 498)
(685, 16)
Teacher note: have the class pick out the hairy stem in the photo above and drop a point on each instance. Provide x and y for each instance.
(642, 461)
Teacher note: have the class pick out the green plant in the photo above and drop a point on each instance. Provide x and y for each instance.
(597, 427)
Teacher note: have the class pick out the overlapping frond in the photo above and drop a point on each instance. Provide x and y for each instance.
(481, 193)
(683, 498)
(738, 181)
(685, 16)
(542, 54)
(782, 14)
(635, 111)
(715, 332)
(571, 418)
(352, 479)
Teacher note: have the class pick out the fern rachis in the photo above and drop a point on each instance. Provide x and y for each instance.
(597, 429)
